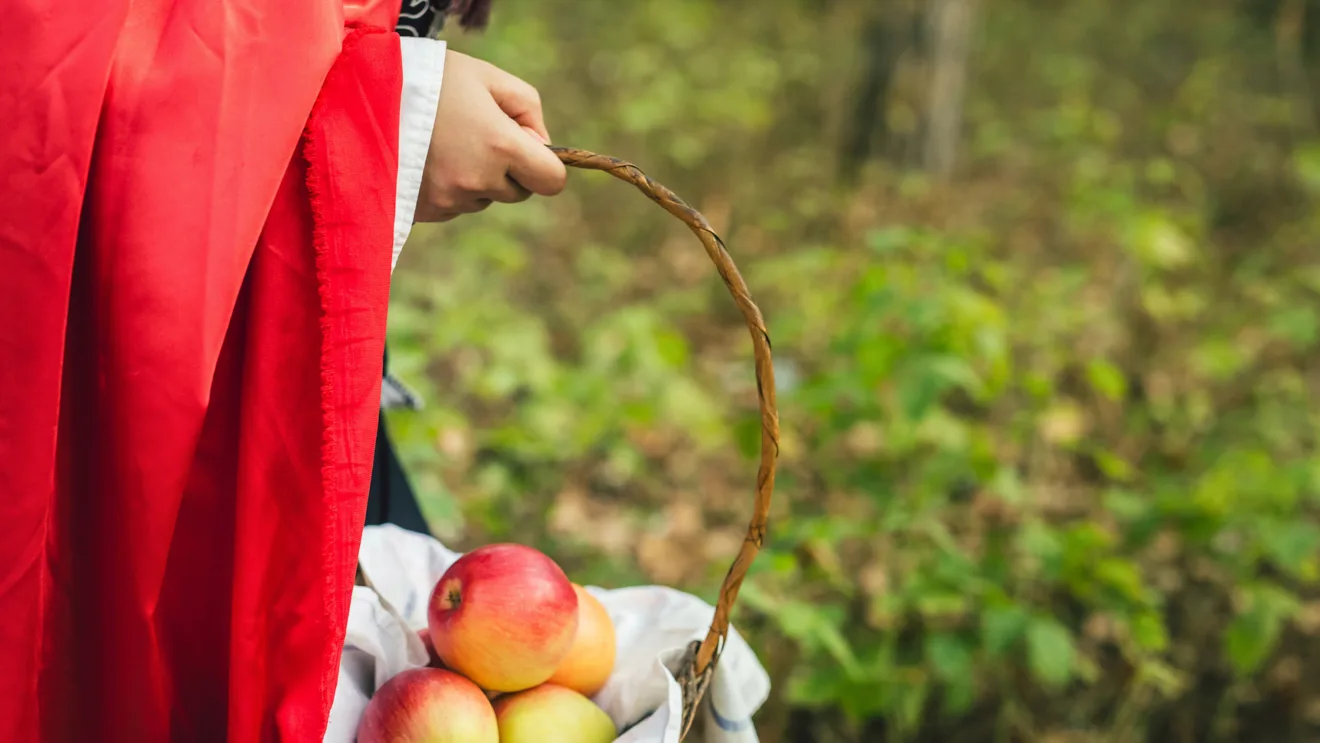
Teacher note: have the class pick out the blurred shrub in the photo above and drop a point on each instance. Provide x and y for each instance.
(1049, 451)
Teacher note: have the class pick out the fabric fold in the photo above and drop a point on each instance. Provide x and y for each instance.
(191, 362)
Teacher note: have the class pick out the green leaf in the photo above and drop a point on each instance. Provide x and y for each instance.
(955, 372)
(1306, 161)
(1122, 576)
(1050, 651)
(959, 694)
(1002, 627)
(1292, 545)
(1107, 379)
(1007, 485)
(888, 240)
(937, 602)
(1167, 680)
(949, 656)
(816, 686)
(671, 347)
(1298, 324)
(1160, 242)
(747, 435)
(917, 392)
(1149, 633)
(1112, 465)
(1127, 505)
(1042, 543)
(925, 380)
(814, 627)
(1251, 637)
(912, 702)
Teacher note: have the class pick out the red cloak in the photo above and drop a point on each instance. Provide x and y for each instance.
(196, 214)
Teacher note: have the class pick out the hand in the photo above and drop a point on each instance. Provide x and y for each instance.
(489, 143)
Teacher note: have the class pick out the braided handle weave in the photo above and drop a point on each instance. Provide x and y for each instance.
(700, 661)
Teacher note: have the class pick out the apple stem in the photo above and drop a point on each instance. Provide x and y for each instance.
(453, 596)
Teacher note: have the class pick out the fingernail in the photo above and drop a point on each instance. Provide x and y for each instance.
(536, 134)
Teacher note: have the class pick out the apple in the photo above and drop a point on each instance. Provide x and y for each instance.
(428, 705)
(590, 659)
(504, 615)
(435, 662)
(551, 713)
(433, 659)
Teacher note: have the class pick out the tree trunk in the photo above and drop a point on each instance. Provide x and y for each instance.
(950, 34)
(886, 36)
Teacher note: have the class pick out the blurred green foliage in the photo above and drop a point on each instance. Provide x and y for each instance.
(1049, 463)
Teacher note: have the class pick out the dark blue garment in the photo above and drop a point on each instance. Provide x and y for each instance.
(416, 18)
(391, 499)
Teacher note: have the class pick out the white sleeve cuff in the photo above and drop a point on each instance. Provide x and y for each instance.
(423, 70)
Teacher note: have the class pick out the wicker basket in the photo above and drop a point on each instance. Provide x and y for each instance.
(699, 664)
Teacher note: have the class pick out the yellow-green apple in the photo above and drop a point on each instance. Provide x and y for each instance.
(428, 705)
(504, 615)
(590, 659)
(551, 713)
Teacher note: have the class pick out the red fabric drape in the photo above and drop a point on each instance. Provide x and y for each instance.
(196, 212)
(376, 13)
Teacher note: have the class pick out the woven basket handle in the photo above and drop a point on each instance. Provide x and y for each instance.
(701, 658)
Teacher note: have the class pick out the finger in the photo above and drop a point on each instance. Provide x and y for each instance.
(468, 206)
(428, 211)
(509, 192)
(519, 101)
(533, 133)
(535, 166)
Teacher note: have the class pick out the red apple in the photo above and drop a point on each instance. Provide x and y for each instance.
(435, 661)
(590, 659)
(428, 705)
(552, 714)
(434, 658)
(503, 615)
